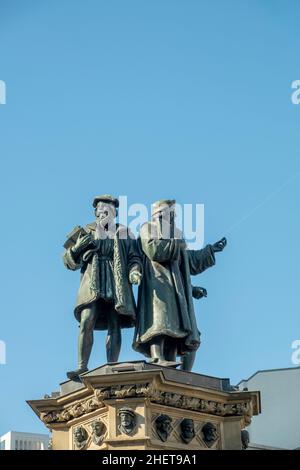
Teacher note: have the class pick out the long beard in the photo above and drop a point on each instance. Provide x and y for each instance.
(105, 227)
(167, 228)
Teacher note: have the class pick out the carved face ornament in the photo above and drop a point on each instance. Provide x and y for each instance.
(187, 430)
(127, 420)
(163, 427)
(80, 437)
(98, 428)
(210, 434)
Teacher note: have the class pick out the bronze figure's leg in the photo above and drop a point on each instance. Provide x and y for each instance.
(170, 350)
(113, 340)
(86, 335)
(163, 352)
(157, 349)
(188, 360)
(85, 340)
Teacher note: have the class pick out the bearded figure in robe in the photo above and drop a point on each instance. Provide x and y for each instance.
(166, 326)
(106, 254)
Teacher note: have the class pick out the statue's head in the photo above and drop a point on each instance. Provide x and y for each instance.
(127, 419)
(80, 434)
(98, 428)
(164, 208)
(187, 430)
(163, 426)
(210, 434)
(105, 209)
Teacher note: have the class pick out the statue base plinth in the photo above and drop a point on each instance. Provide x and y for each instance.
(92, 407)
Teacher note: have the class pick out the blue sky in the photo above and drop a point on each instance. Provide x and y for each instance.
(149, 99)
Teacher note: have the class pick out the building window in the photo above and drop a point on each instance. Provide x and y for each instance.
(21, 445)
(29, 445)
(2, 445)
(16, 444)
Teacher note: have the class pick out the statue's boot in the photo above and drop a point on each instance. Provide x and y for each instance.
(153, 360)
(156, 350)
(74, 374)
(188, 361)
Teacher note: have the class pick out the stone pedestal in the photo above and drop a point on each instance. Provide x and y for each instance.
(165, 409)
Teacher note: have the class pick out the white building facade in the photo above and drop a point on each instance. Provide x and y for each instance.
(24, 441)
(278, 425)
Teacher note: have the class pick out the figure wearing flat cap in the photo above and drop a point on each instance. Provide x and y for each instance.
(107, 256)
(166, 325)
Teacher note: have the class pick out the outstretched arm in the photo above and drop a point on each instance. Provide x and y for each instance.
(220, 245)
(200, 260)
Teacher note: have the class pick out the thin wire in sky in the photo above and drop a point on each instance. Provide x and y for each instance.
(262, 203)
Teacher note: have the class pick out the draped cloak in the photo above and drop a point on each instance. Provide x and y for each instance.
(105, 275)
(165, 303)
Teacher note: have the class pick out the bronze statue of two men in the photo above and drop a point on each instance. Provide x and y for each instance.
(111, 260)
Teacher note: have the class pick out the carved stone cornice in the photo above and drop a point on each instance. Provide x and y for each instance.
(80, 408)
(242, 408)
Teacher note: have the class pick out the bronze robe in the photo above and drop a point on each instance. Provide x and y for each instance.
(165, 303)
(105, 275)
